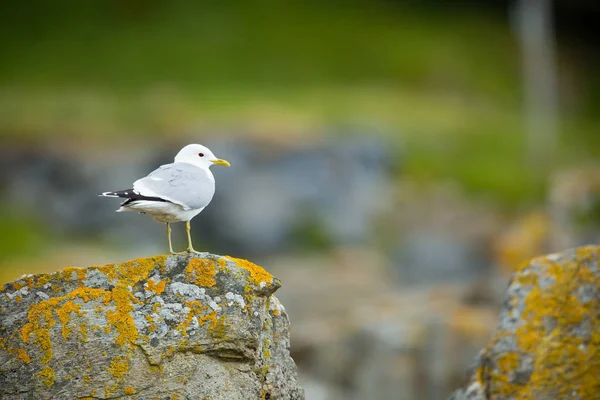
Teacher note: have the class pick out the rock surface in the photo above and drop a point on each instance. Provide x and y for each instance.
(547, 343)
(195, 327)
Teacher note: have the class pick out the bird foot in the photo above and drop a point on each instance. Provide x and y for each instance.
(191, 250)
(176, 253)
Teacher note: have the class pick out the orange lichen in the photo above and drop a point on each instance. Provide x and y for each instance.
(83, 331)
(21, 353)
(157, 288)
(131, 272)
(81, 273)
(218, 327)
(86, 294)
(565, 363)
(47, 376)
(67, 274)
(109, 390)
(55, 288)
(151, 324)
(267, 349)
(119, 366)
(64, 315)
(41, 315)
(156, 307)
(29, 281)
(221, 264)
(18, 299)
(211, 317)
(508, 362)
(201, 271)
(196, 309)
(527, 278)
(26, 331)
(40, 321)
(57, 312)
(23, 356)
(121, 317)
(44, 279)
(257, 273)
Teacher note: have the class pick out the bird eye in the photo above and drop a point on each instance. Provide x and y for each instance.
(201, 154)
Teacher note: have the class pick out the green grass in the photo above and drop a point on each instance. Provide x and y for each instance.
(21, 234)
(98, 67)
(201, 45)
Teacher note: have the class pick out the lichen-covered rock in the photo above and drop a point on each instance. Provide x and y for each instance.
(547, 344)
(178, 327)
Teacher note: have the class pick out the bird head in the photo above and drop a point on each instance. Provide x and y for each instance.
(200, 156)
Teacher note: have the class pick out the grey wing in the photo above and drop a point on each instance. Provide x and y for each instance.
(180, 183)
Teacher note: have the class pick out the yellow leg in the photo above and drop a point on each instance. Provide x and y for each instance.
(169, 238)
(188, 230)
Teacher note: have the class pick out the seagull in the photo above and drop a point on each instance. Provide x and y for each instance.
(175, 192)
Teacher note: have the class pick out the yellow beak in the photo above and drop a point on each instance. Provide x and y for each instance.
(218, 161)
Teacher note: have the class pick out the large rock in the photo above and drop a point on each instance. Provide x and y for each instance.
(547, 344)
(195, 327)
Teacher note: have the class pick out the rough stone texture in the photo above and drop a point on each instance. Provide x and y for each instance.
(547, 344)
(193, 327)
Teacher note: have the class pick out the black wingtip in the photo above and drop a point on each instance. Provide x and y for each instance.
(131, 195)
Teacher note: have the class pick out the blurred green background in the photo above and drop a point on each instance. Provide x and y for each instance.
(445, 74)
(455, 90)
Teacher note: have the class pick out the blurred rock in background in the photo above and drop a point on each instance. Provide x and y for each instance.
(441, 235)
(297, 195)
(545, 345)
(574, 206)
(356, 336)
